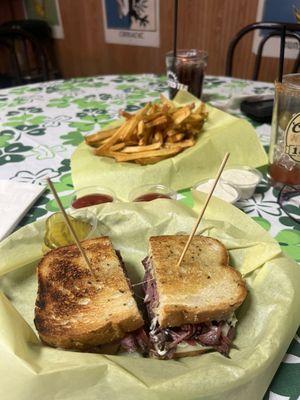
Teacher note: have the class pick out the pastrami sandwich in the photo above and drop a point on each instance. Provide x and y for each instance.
(190, 307)
(76, 311)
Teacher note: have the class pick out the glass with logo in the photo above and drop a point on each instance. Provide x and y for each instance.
(284, 153)
(185, 71)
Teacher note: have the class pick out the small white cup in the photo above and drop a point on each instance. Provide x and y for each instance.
(223, 190)
(245, 179)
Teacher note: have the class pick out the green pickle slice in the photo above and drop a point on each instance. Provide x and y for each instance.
(58, 234)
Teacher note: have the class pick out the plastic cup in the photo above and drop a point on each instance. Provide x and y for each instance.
(92, 195)
(223, 191)
(57, 233)
(151, 192)
(245, 179)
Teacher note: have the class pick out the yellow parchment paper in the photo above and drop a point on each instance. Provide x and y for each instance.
(221, 133)
(268, 318)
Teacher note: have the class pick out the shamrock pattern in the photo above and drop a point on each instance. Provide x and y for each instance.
(13, 153)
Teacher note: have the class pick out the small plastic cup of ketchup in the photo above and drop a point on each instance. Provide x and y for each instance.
(91, 196)
(151, 192)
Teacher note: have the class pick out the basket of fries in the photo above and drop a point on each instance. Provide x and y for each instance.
(155, 132)
(172, 143)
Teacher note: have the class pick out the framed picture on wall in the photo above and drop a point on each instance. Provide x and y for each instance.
(131, 22)
(47, 10)
(277, 11)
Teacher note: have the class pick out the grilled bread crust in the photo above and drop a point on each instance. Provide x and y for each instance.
(76, 311)
(203, 288)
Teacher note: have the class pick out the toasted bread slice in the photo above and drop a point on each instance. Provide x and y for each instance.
(203, 288)
(75, 311)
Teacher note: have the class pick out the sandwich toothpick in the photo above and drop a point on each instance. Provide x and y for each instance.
(208, 197)
(71, 229)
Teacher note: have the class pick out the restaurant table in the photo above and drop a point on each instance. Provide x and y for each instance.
(41, 125)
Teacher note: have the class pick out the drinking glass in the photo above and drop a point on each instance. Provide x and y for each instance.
(284, 153)
(185, 71)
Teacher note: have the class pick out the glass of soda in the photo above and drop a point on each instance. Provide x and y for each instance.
(185, 71)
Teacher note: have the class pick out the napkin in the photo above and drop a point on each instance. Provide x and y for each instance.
(15, 200)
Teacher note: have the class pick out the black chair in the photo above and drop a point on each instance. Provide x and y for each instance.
(275, 29)
(42, 33)
(32, 64)
(35, 27)
(33, 42)
(12, 77)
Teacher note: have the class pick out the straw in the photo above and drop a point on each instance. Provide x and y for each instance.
(208, 197)
(281, 57)
(175, 28)
(71, 229)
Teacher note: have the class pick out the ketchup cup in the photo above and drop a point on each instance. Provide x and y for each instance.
(92, 195)
(152, 192)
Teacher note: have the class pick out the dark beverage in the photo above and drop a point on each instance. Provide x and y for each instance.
(91, 200)
(186, 71)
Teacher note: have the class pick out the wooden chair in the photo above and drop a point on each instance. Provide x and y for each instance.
(275, 29)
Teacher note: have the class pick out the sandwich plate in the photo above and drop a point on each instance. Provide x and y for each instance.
(267, 319)
(221, 133)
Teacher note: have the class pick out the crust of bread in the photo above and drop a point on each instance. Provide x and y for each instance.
(203, 288)
(76, 311)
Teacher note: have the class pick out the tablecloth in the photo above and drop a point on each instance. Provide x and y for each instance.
(41, 124)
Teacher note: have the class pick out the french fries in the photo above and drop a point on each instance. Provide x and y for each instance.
(152, 134)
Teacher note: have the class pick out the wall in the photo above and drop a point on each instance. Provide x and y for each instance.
(204, 24)
(10, 9)
(207, 24)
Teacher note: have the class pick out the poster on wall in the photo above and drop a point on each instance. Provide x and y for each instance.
(132, 22)
(277, 11)
(47, 10)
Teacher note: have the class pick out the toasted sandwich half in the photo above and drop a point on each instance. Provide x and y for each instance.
(76, 311)
(191, 307)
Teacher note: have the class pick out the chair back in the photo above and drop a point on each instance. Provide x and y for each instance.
(275, 29)
(29, 54)
(10, 74)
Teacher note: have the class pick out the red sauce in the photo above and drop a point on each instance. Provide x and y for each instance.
(91, 200)
(281, 174)
(152, 196)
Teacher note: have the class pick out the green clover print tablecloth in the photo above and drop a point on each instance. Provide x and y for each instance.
(41, 124)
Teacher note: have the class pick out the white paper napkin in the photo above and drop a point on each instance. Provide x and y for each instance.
(16, 199)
